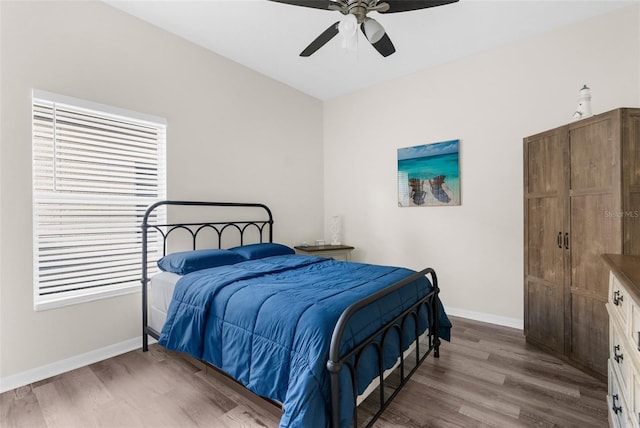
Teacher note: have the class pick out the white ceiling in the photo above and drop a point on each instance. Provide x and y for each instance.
(268, 36)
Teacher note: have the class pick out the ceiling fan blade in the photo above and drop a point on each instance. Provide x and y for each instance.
(384, 46)
(407, 5)
(321, 40)
(316, 4)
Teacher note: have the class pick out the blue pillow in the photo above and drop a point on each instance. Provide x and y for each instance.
(259, 251)
(185, 262)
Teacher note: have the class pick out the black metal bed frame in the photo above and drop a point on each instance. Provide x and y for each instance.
(337, 359)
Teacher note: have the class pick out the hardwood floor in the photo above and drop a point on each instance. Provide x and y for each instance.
(486, 376)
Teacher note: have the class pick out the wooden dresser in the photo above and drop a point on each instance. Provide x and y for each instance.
(623, 307)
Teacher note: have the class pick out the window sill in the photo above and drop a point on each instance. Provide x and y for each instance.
(84, 296)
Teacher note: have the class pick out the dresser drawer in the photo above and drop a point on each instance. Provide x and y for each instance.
(635, 327)
(635, 414)
(618, 409)
(619, 299)
(620, 359)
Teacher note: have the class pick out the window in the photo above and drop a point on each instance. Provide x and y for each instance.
(95, 170)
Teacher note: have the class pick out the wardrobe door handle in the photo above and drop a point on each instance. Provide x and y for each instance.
(559, 239)
(566, 240)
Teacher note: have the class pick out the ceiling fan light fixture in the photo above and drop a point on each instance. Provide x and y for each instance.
(348, 28)
(373, 30)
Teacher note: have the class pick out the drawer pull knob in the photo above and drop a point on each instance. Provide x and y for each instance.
(617, 298)
(616, 356)
(616, 409)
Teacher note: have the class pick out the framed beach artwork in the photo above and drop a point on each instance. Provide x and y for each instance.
(429, 175)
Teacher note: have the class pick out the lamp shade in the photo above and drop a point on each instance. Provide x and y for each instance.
(347, 28)
(373, 30)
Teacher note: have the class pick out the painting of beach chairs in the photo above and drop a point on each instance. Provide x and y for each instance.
(429, 175)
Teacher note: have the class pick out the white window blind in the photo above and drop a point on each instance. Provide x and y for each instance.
(95, 171)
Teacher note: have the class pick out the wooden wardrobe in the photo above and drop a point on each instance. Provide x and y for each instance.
(581, 200)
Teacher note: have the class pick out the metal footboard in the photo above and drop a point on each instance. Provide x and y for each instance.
(337, 361)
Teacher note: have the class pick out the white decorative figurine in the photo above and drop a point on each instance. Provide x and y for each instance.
(584, 104)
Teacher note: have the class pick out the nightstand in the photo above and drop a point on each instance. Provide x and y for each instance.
(337, 252)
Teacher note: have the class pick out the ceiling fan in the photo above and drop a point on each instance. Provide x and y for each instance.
(355, 13)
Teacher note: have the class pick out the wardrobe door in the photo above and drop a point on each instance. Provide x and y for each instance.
(595, 229)
(544, 209)
(631, 180)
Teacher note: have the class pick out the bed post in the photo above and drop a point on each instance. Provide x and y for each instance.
(145, 277)
(435, 310)
(334, 369)
(145, 338)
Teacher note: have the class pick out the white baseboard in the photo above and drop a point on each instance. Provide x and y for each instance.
(40, 373)
(484, 317)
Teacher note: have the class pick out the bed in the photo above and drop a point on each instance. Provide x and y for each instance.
(323, 338)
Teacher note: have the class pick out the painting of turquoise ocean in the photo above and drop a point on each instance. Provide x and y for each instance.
(429, 175)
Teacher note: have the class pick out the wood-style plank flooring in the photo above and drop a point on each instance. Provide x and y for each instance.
(486, 376)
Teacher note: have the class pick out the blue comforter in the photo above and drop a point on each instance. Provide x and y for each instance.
(268, 324)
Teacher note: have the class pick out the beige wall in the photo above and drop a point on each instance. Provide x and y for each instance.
(233, 135)
(489, 101)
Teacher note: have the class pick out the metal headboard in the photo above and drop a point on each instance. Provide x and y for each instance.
(262, 225)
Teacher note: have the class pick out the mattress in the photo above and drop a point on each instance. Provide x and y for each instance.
(160, 291)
